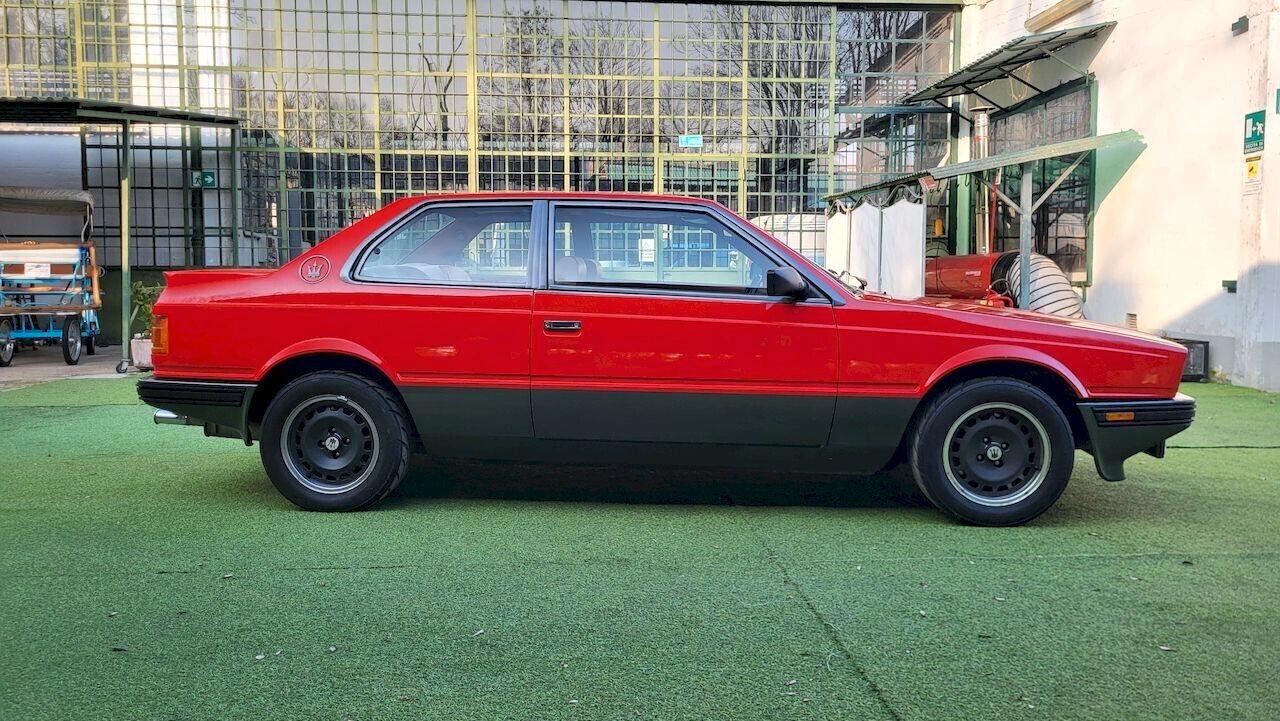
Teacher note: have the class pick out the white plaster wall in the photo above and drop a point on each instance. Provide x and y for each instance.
(1173, 227)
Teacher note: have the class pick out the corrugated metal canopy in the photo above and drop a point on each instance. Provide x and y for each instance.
(1043, 152)
(1003, 61)
(886, 184)
(56, 201)
(78, 111)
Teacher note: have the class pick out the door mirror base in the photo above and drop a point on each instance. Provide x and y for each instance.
(786, 282)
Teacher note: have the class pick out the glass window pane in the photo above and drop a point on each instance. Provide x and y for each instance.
(456, 246)
(654, 248)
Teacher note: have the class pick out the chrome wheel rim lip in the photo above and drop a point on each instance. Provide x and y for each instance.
(1028, 488)
(286, 447)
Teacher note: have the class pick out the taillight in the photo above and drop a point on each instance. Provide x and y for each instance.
(159, 334)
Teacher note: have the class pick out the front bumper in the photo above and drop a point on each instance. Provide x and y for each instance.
(222, 408)
(1114, 436)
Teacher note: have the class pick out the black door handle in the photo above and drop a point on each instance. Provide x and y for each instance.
(562, 326)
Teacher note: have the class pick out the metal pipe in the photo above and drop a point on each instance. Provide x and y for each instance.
(1026, 233)
(169, 418)
(980, 148)
(126, 289)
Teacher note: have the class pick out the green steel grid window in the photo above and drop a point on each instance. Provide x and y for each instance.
(1062, 221)
(525, 113)
(885, 55)
(790, 43)
(405, 174)
(875, 146)
(522, 172)
(711, 109)
(36, 48)
(519, 37)
(181, 203)
(612, 173)
(347, 105)
(700, 41)
(716, 180)
(610, 114)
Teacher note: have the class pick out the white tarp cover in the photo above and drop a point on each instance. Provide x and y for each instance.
(902, 250)
(864, 244)
(883, 247)
(45, 200)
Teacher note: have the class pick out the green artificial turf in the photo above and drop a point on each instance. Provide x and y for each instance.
(145, 568)
(75, 392)
(1230, 416)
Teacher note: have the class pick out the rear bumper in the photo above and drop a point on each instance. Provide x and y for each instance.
(1112, 441)
(222, 408)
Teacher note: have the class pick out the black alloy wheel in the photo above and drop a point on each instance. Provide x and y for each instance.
(335, 441)
(992, 451)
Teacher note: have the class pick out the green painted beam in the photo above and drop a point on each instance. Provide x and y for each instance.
(1043, 152)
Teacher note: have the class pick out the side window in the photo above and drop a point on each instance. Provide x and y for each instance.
(654, 248)
(465, 245)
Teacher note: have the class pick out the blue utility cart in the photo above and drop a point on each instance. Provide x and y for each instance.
(49, 292)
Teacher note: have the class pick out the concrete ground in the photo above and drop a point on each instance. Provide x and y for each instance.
(46, 364)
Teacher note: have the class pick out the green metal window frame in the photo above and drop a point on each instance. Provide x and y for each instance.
(1086, 84)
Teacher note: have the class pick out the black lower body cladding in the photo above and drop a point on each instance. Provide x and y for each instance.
(1119, 430)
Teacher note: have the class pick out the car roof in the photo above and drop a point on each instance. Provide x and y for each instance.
(568, 195)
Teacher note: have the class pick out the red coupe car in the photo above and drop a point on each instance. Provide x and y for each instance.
(613, 328)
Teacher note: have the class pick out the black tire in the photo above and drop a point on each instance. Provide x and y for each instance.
(72, 342)
(8, 346)
(343, 415)
(979, 454)
(91, 343)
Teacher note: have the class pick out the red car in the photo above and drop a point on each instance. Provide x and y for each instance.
(612, 328)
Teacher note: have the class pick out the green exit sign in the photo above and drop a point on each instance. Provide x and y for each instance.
(204, 179)
(690, 141)
(1255, 131)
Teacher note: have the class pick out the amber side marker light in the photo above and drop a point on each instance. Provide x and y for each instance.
(160, 335)
(1111, 417)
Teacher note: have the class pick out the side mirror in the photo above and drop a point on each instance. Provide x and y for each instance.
(786, 282)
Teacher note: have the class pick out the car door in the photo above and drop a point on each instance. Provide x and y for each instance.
(655, 327)
(446, 298)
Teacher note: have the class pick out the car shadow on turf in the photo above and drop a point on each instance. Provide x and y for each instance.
(436, 479)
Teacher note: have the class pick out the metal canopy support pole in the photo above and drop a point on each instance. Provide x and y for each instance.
(126, 289)
(1025, 233)
(235, 199)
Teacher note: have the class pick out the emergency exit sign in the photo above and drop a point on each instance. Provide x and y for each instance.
(1255, 126)
(204, 179)
(690, 141)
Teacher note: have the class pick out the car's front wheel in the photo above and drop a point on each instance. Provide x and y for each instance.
(335, 441)
(993, 451)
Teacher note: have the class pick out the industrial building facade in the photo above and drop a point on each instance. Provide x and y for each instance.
(766, 107)
(348, 105)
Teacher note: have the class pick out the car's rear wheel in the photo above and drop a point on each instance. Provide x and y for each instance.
(335, 441)
(994, 452)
